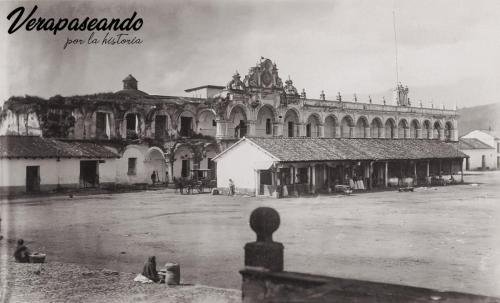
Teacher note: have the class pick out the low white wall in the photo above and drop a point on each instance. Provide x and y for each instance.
(475, 160)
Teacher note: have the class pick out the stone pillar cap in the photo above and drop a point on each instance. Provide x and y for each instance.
(264, 221)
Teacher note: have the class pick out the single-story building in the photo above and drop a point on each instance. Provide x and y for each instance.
(33, 164)
(282, 166)
(491, 158)
(481, 155)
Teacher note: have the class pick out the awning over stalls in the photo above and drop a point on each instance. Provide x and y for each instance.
(336, 149)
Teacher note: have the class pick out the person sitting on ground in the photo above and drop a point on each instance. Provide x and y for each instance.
(149, 270)
(22, 252)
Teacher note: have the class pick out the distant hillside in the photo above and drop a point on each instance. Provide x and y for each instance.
(479, 117)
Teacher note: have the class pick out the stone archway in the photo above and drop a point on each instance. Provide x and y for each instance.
(186, 124)
(133, 125)
(361, 130)
(207, 124)
(437, 130)
(376, 128)
(291, 124)
(427, 129)
(264, 126)
(402, 129)
(154, 163)
(331, 127)
(313, 126)
(237, 123)
(448, 131)
(390, 129)
(415, 129)
(347, 127)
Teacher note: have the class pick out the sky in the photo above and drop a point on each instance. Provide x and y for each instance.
(448, 50)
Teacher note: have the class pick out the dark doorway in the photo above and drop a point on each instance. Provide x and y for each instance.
(160, 126)
(89, 174)
(186, 167)
(131, 122)
(100, 125)
(132, 126)
(483, 161)
(241, 129)
(212, 167)
(467, 164)
(265, 179)
(308, 130)
(290, 129)
(32, 178)
(186, 126)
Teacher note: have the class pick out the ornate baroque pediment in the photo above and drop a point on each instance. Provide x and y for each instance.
(263, 75)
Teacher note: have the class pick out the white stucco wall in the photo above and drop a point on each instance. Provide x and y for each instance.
(52, 172)
(65, 171)
(240, 163)
(475, 160)
(122, 176)
(107, 171)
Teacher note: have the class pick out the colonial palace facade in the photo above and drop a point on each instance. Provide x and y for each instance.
(176, 136)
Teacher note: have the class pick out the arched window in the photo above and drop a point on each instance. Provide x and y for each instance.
(361, 127)
(345, 127)
(390, 129)
(376, 128)
(448, 131)
(291, 124)
(331, 127)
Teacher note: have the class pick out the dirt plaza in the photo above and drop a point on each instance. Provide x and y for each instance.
(441, 237)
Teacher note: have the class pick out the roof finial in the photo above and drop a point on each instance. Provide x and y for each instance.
(303, 93)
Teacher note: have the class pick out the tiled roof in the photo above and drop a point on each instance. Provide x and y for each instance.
(330, 149)
(38, 147)
(132, 92)
(472, 143)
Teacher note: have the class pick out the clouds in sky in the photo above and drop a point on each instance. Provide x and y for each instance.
(448, 50)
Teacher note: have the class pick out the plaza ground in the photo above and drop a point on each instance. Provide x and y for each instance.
(442, 237)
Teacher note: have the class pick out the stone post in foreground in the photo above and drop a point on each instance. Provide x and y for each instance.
(264, 253)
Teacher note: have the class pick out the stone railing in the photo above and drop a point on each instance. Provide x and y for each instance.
(380, 107)
(264, 278)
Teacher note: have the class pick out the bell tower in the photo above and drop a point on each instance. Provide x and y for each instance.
(130, 82)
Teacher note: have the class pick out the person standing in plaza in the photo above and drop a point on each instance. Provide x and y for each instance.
(153, 177)
(231, 187)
